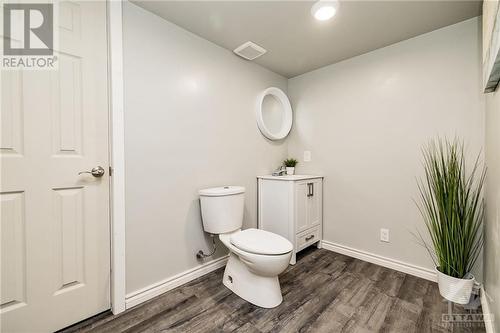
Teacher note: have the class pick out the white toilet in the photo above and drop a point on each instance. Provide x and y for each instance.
(256, 256)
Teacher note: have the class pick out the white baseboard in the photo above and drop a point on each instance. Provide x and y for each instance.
(144, 294)
(397, 265)
(488, 319)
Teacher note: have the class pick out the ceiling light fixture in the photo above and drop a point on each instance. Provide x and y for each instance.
(324, 9)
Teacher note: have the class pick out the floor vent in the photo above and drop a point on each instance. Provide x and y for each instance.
(249, 51)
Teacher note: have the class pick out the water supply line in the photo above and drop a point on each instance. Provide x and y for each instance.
(202, 255)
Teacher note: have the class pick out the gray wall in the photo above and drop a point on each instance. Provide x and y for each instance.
(364, 121)
(189, 124)
(492, 227)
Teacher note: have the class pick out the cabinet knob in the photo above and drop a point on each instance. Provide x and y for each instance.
(308, 238)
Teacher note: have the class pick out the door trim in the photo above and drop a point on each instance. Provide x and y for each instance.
(117, 154)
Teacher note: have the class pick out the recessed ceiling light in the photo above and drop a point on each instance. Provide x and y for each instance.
(324, 9)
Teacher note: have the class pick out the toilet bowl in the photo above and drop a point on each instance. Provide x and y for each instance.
(256, 257)
(253, 268)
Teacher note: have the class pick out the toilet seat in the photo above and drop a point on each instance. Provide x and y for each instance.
(261, 242)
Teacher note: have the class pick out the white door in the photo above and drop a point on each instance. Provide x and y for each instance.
(55, 240)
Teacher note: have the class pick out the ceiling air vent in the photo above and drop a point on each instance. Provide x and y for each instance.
(249, 51)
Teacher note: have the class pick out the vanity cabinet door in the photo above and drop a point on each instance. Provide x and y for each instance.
(301, 206)
(314, 200)
(308, 200)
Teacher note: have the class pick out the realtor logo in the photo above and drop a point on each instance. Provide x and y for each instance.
(28, 30)
(32, 25)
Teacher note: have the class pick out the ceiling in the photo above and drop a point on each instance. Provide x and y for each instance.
(296, 43)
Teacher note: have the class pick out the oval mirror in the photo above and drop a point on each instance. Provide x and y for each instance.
(274, 114)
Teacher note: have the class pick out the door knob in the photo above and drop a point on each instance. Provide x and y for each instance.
(97, 172)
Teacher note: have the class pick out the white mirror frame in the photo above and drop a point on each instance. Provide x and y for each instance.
(286, 125)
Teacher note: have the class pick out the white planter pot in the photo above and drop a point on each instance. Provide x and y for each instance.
(290, 171)
(454, 289)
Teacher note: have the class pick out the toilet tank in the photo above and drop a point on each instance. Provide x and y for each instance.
(222, 208)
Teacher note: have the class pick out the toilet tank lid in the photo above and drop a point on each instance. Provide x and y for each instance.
(221, 191)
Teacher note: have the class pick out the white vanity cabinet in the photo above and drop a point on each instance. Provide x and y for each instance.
(292, 206)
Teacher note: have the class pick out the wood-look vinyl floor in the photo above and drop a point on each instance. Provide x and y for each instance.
(323, 292)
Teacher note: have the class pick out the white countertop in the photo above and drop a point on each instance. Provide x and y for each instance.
(293, 177)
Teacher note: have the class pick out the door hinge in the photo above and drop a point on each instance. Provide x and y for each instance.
(111, 171)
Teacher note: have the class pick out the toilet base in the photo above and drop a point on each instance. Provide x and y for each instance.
(259, 290)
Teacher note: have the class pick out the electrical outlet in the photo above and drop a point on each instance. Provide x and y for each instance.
(307, 156)
(384, 235)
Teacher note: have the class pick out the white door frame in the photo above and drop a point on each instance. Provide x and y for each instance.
(117, 154)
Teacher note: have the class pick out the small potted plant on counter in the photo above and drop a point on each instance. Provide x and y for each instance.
(290, 164)
(453, 211)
